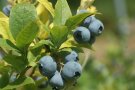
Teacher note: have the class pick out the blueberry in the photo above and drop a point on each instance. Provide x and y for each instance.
(92, 39)
(96, 27)
(71, 70)
(88, 20)
(82, 35)
(56, 81)
(47, 66)
(6, 10)
(73, 56)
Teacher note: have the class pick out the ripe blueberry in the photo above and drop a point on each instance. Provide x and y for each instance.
(6, 10)
(57, 81)
(47, 66)
(96, 27)
(82, 35)
(88, 20)
(92, 39)
(71, 70)
(73, 56)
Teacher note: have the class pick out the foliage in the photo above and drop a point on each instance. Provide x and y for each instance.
(25, 38)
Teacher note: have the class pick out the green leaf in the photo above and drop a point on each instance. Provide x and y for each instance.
(35, 51)
(42, 43)
(74, 21)
(4, 79)
(21, 15)
(2, 15)
(41, 80)
(62, 12)
(17, 62)
(58, 35)
(47, 5)
(44, 31)
(8, 45)
(4, 28)
(38, 47)
(86, 45)
(19, 83)
(26, 36)
(32, 58)
(4, 76)
(29, 87)
(72, 44)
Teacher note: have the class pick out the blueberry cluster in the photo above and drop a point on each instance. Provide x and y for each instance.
(88, 30)
(6, 10)
(70, 71)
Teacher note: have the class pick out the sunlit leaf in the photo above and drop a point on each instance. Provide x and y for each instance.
(19, 83)
(47, 5)
(58, 35)
(4, 27)
(74, 21)
(26, 36)
(17, 62)
(21, 15)
(62, 12)
(6, 44)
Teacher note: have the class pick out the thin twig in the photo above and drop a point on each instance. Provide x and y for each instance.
(87, 54)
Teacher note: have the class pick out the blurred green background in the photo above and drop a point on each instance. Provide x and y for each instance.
(111, 65)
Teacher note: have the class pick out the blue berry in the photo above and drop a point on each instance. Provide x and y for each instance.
(6, 10)
(73, 56)
(71, 70)
(92, 39)
(82, 35)
(57, 81)
(96, 27)
(88, 20)
(47, 66)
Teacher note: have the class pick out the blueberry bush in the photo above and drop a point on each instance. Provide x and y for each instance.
(39, 43)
